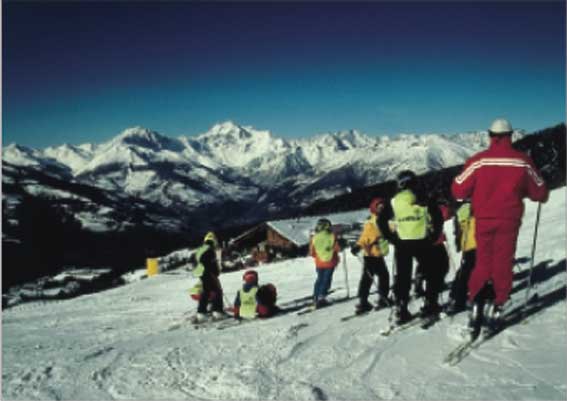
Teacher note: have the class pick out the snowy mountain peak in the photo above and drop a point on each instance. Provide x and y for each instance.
(231, 132)
(236, 146)
(353, 138)
(19, 155)
(227, 127)
(136, 133)
(145, 138)
(14, 147)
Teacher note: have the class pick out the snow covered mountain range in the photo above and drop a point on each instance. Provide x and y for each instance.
(249, 171)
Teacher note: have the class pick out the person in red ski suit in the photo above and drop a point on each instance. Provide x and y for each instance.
(497, 180)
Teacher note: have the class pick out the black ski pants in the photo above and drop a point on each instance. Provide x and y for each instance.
(459, 289)
(373, 266)
(428, 256)
(435, 272)
(211, 285)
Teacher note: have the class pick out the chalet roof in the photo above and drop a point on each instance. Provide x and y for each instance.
(248, 233)
(298, 230)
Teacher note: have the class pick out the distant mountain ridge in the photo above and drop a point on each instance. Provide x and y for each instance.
(257, 173)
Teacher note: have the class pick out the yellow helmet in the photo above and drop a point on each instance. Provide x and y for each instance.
(210, 236)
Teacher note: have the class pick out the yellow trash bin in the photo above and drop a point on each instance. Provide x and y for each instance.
(152, 266)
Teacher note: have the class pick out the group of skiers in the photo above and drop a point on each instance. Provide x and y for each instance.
(488, 196)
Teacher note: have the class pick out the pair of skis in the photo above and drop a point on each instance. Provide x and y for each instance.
(424, 322)
(473, 342)
(521, 314)
(363, 313)
(197, 325)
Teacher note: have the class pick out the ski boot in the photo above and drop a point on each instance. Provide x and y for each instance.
(321, 303)
(454, 307)
(402, 314)
(476, 318)
(199, 318)
(484, 298)
(493, 317)
(383, 302)
(362, 307)
(218, 315)
(430, 309)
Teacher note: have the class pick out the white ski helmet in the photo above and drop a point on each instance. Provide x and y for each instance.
(500, 127)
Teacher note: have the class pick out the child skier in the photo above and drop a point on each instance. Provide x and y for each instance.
(466, 243)
(252, 301)
(325, 250)
(207, 270)
(375, 248)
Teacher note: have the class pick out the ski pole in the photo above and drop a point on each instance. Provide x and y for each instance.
(395, 282)
(346, 274)
(533, 257)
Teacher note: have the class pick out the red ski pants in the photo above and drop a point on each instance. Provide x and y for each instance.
(495, 249)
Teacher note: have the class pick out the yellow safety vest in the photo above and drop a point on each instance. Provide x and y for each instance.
(248, 303)
(324, 242)
(411, 219)
(371, 239)
(467, 224)
(200, 268)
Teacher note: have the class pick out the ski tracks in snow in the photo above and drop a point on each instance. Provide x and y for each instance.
(34, 381)
(332, 360)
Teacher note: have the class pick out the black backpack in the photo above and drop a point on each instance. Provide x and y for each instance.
(267, 295)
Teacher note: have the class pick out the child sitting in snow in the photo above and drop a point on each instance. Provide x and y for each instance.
(253, 301)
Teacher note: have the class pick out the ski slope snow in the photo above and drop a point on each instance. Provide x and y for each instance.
(133, 342)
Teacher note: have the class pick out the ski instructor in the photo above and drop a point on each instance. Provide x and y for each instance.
(497, 180)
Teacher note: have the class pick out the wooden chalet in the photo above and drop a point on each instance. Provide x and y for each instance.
(264, 242)
(289, 238)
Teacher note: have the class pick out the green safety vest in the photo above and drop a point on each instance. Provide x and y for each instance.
(464, 212)
(248, 303)
(324, 243)
(411, 219)
(197, 289)
(200, 269)
(384, 246)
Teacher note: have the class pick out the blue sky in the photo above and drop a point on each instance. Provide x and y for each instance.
(82, 72)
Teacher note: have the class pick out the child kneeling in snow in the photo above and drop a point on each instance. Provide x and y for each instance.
(253, 301)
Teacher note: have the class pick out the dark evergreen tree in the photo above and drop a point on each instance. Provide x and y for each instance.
(46, 232)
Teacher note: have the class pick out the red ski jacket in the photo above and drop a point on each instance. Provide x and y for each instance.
(497, 180)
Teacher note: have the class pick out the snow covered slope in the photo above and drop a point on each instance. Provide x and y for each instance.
(132, 342)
